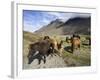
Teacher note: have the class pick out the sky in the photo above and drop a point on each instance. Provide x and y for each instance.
(34, 20)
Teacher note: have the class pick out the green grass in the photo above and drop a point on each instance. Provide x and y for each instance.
(81, 59)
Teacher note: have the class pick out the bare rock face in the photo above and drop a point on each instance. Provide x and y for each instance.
(51, 62)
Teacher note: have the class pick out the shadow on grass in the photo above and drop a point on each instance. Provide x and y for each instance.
(85, 44)
(68, 49)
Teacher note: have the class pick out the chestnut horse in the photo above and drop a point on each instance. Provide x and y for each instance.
(75, 42)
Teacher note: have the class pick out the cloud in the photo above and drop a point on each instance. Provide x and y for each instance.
(34, 20)
(65, 16)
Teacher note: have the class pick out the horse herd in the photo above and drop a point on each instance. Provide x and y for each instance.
(49, 46)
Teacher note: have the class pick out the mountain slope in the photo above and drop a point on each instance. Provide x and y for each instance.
(75, 25)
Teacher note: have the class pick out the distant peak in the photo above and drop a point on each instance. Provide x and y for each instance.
(77, 19)
(57, 21)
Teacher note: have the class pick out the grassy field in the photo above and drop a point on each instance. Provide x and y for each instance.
(81, 57)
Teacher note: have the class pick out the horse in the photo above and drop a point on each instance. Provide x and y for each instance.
(39, 50)
(75, 42)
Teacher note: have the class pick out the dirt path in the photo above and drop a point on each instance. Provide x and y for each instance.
(51, 62)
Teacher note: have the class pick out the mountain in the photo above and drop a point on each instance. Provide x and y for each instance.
(74, 25)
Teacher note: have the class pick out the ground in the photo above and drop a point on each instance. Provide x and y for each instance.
(52, 62)
(80, 57)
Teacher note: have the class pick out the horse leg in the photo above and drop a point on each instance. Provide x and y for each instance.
(39, 61)
(72, 48)
(44, 59)
(79, 46)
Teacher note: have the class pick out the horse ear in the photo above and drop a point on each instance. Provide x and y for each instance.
(79, 37)
(46, 37)
(59, 44)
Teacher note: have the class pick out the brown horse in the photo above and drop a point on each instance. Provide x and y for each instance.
(75, 42)
(39, 50)
(53, 41)
(57, 47)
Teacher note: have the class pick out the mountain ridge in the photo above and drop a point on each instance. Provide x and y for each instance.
(77, 25)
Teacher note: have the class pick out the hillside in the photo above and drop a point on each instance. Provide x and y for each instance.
(75, 25)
